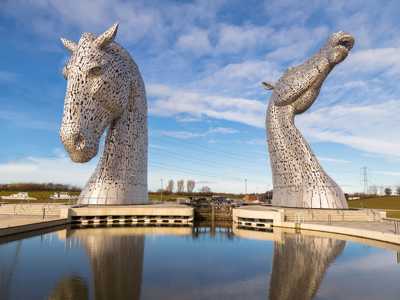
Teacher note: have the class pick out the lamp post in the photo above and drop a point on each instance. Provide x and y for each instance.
(162, 188)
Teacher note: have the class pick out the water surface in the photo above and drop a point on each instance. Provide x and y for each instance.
(185, 263)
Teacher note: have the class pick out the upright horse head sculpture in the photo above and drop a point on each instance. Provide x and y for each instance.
(298, 178)
(105, 90)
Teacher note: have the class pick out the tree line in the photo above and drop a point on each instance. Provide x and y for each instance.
(180, 187)
(28, 187)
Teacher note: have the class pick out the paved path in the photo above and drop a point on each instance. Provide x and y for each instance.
(382, 231)
(383, 227)
(11, 221)
(10, 225)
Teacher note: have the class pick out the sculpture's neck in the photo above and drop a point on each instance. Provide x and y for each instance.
(124, 139)
(281, 122)
(122, 170)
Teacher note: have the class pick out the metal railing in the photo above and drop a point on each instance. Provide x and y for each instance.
(396, 224)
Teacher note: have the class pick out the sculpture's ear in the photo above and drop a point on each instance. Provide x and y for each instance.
(107, 37)
(268, 86)
(70, 45)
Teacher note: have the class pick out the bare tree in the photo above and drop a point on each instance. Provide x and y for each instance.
(170, 186)
(190, 184)
(388, 191)
(205, 189)
(180, 185)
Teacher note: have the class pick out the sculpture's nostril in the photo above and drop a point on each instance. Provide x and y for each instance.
(79, 141)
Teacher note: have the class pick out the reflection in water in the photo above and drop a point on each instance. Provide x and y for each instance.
(116, 259)
(7, 268)
(204, 262)
(70, 288)
(299, 265)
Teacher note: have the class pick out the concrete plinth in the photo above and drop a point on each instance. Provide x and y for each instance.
(156, 214)
(364, 223)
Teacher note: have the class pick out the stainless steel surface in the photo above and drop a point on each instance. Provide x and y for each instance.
(298, 178)
(105, 91)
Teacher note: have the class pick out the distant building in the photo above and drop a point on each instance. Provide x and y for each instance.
(18, 196)
(62, 196)
(183, 200)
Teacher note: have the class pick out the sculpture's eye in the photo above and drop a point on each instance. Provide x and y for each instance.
(95, 71)
(65, 72)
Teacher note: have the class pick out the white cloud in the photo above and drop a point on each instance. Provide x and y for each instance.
(174, 102)
(189, 135)
(334, 160)
(222, 130)
(157, 23)
(57, 169)
(50, 18)
(196, 41)
(243, 78)
(234, 39)
(289, 11)
(363, 127)
(180, 134)
(188, 119)
(375, 60)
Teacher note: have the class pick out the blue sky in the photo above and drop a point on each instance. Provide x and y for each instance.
(202, 63)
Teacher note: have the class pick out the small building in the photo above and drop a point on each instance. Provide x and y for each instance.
(62, 196)
(182, 200)
(18, 196)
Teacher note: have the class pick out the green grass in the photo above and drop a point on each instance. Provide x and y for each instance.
(390, 203)
(172, 197)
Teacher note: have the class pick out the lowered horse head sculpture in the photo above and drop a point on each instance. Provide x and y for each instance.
(298, 178)
(105, 91)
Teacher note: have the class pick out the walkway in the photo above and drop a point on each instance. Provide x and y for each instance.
(20, 224)
(12, 221)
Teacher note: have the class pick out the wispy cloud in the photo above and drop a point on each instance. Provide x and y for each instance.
(58, 168)
(190, 134)
(234, 39)
(374, 60)
(334, 160)
(363, 127)
(172, 102)
(196, 41)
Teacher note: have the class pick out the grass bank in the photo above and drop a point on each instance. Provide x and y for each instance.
(390, 203)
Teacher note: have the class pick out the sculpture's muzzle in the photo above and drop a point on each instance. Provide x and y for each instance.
(80, 148)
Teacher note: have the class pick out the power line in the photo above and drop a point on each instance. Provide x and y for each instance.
(208, 162)
(364, 179)
(207, 149)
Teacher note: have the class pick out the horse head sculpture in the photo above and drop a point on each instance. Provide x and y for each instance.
(298, 178)
(105, 90)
